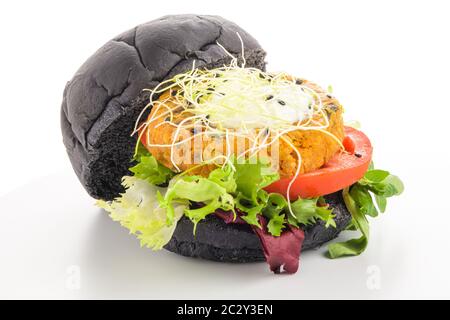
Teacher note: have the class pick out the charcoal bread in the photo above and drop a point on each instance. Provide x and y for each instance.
(215, 240)
(105, 96)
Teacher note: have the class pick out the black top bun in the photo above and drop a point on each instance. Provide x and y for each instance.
(104, 98)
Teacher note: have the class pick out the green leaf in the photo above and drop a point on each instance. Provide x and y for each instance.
(394, 186)
(252, 177)
(307, 212)
(359, 202)
(197, 189)
(389, 187)
(381, 202)
(252, 211)
(140, 151)
(363, 200)
(150, 170)
(196, 215)
(138, 210)
(351, 247)
(351, 226)
(224, 177)
(376, 175)
(276, 203)
(276, 225)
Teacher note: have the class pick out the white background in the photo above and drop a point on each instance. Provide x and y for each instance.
(388, 62)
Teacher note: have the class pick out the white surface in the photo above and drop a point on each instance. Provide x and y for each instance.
(388, 63)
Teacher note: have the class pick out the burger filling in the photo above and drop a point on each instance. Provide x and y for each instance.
(254, 148)
(254, 125)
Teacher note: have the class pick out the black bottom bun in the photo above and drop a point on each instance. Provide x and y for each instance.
(218, 241)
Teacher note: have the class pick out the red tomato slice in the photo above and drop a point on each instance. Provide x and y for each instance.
(344, 169)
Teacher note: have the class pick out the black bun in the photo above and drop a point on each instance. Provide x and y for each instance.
(103, 99)
(102, 102)
(218, 241)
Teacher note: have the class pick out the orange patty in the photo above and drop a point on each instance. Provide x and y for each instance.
(315, 147)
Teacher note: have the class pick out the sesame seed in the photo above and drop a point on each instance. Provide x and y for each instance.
(281, 102)
(298, 81)
(269, 97)
(332, 107)
(358, 155)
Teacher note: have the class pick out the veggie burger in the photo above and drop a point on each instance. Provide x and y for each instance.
(187, 141)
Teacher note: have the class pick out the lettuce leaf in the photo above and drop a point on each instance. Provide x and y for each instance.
(309, 211)
(238, 184)
(276, 224)
(213, 192)
(225, 178)
(235, 185)
(138, 210)
(251, 209)
(356, 246)
(253, 200)
(149, 169)
(251, 177)
(378, 184)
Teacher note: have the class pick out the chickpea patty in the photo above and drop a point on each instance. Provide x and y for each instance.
(174, 138)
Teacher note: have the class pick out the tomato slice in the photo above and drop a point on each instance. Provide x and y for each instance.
(344, 169)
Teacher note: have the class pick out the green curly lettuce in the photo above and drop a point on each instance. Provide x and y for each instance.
(212, 193)
(149, 169)
(233, 185)
(309, 211)
(138, 210)
(151, 212)
(251, 178)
